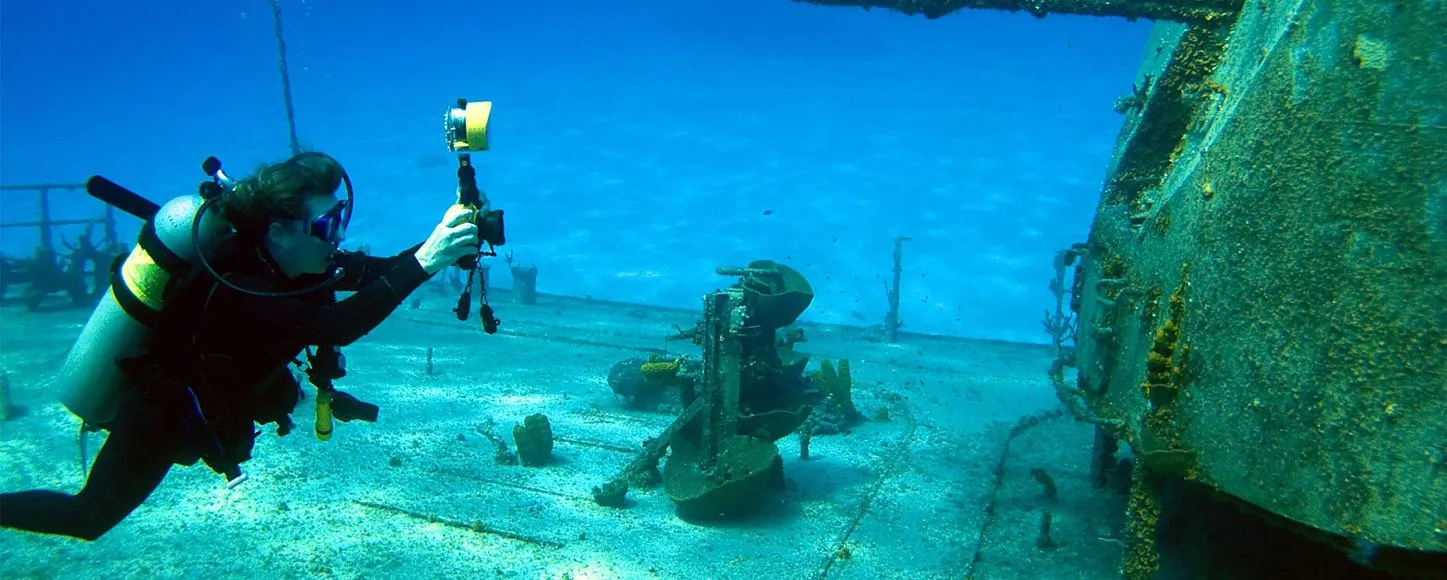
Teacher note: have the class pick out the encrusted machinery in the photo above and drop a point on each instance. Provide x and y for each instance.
(745, 393)
(1262, 300)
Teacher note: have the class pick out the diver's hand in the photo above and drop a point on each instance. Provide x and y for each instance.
(454, 237)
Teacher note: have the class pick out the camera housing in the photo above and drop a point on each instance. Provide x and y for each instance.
(490, 228)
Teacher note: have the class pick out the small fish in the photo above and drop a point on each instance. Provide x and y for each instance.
(768, 212)
(428, 160)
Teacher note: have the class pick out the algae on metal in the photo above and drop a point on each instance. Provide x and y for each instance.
(1306, 196)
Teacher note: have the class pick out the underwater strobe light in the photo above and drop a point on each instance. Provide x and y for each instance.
(465, 125)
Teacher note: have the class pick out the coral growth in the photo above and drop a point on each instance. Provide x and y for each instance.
(1165, 361)
(534, 440)
(836, 388)
(659, 372)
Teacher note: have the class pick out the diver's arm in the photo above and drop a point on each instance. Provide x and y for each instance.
(359, 269)
(344, 321)
(454, 237)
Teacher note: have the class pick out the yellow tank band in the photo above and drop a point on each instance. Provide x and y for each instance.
(145, 279)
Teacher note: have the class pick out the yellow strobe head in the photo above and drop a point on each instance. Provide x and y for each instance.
(466, 125)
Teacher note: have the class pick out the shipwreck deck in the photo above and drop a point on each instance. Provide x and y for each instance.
(418, 493)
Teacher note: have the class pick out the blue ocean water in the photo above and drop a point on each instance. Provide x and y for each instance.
(637, 144)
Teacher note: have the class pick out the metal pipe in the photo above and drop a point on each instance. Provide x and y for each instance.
(285, 78)
(47, 237)
(50, 223)
(40, 186)
(891, 318)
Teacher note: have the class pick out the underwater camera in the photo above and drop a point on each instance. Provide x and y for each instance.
(465, 128)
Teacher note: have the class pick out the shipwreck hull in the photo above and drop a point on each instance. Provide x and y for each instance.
(1263, 295)
(1267, 272)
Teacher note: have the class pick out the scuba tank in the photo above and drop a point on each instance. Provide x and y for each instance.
(121, 326)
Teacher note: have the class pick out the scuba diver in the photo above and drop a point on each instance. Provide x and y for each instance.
(216, 359)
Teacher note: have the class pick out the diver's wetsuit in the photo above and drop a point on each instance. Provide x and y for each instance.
(233, 349)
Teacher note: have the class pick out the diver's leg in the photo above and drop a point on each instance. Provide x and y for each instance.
(131, 464)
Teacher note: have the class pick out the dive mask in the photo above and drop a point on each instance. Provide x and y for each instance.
(330, 226)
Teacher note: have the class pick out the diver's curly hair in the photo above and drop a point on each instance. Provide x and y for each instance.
(279, 191)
